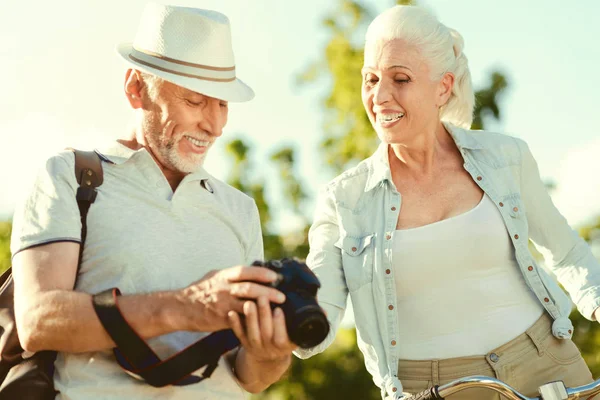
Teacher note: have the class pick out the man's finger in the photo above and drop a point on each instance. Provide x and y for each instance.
(254, 274)
(251, 290)
(237, 305)
(252, 327)
(265, 319)
(236, 326)
(280, 335)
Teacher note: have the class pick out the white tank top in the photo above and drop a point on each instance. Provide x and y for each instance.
(459, 289)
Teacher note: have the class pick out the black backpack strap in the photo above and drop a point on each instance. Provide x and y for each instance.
(89, 175)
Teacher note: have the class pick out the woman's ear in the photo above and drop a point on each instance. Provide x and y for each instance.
(445, 88)
(134, 88)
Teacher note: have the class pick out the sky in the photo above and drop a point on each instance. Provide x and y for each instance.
(62, 83)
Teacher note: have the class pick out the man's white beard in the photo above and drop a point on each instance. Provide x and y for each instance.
(191, 163)
(167, 150)
(169, 154)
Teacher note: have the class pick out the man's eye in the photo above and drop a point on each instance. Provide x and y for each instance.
(192, 103)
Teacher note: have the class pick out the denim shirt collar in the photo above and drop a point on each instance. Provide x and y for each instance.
(379, 163)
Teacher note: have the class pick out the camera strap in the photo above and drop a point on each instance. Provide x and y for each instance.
(139, 360)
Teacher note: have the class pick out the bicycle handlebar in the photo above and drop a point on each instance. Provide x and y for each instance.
(550, 391)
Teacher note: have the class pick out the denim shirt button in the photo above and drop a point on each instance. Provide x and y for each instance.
(530, 268)
(501, 204)
(479, 178)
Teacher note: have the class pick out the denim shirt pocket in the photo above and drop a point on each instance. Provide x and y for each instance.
(514, 206)
(357, 259)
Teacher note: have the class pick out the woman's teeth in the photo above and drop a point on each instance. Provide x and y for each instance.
(389, 117)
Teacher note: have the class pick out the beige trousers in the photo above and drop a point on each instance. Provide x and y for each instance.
(525, 363)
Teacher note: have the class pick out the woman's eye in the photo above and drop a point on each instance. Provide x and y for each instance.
(223, 104)
(370, 80)
(402, 80)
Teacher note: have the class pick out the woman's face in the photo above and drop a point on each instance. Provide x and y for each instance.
(401, 99)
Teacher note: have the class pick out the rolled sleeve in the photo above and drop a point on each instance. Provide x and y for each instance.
(566, 254)
(325, 260)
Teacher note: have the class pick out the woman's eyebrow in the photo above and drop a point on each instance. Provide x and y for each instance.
(367, 69)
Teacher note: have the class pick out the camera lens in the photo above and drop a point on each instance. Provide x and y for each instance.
(311, 329)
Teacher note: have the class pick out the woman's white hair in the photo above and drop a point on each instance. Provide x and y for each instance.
(441, 46)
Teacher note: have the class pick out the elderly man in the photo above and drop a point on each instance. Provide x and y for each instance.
(171, 237)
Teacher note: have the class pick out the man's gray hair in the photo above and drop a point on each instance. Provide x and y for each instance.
(152, 84)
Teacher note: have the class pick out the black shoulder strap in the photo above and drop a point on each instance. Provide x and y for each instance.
(139, 360)
(89, 174)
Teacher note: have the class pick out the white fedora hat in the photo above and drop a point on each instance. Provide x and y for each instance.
(189, 47)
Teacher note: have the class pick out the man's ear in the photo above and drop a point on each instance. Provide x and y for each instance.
(134, 86)
(445, 88)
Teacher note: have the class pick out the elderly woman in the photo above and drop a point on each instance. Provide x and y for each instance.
(430, 234)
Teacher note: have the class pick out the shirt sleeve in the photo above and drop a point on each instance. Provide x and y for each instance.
(566, 254)
(325, 260)
(48, 212)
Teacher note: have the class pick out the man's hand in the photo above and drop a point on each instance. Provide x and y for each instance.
(208, 301)
(266, 348)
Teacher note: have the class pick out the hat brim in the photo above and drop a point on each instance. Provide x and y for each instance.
(234, 91)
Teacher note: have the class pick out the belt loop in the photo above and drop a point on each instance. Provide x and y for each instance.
(534, 334)
(435, 372)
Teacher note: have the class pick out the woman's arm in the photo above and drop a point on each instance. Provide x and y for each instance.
(567, 255)
(325, 260)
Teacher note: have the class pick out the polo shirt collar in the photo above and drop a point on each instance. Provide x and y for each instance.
(117, 153)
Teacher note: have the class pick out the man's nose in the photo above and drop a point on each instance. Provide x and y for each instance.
(211, 115)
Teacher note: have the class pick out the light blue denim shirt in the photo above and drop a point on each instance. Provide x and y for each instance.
(353, 230)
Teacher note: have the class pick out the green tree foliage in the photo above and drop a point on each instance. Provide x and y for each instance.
(293, 244)
(5, 229)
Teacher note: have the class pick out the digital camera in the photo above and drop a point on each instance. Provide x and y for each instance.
(306, 323)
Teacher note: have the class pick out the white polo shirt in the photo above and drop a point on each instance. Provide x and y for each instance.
(142, 237)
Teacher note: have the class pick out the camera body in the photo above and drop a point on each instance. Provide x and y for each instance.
(306, 323)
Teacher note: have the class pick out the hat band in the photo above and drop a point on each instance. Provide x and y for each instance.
(182, 68)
